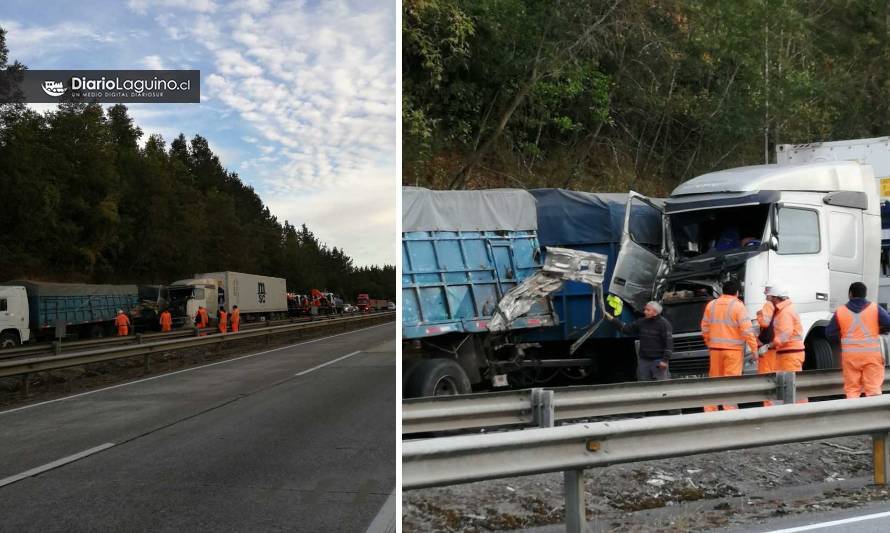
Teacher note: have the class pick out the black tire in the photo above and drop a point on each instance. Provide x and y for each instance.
(821, 354)
(8, 340)
(97, 331)
(437, 377)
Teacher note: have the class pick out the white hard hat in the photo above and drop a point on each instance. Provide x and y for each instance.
(777, 291)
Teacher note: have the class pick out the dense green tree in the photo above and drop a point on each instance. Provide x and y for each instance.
(642, 94)
(84, 199)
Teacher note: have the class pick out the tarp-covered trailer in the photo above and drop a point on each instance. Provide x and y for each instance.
(461, 252)
(590, 222)
(88, 310)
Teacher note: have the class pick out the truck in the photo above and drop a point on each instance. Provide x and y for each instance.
(570, 341)
(814, 228)
(367, 304)
(462, 252)
(874, 152)
(31, 310)
(257, 297)
(324, 303)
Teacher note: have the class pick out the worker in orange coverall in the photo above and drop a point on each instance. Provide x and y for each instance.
(858, 325)
(201, 319)
(123, 323)
(766, 362)
(727, 329)
(223, 320)
(788, 333)
(166, 320)
(235, 319)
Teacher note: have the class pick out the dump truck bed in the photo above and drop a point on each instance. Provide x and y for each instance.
(76, 303)
(461, 252)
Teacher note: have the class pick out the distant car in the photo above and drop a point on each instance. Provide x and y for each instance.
(347, 308)
(391, 306)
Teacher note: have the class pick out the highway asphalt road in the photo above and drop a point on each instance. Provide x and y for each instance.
(300, 438)
(872, 518)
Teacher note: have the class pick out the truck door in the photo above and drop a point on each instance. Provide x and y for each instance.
(845, 251)
(800, 259)
(642, 252)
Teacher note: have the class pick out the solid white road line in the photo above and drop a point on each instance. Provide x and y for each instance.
(314, 368)
(55, 464)
(385, 521)
(159, 376)
(841, 522)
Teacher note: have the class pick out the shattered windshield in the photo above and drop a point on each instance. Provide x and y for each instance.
(709, 233)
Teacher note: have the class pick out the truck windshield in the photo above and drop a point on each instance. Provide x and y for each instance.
(712, 232)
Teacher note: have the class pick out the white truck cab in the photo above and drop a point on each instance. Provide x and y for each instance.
(813, 228)
(14, 316)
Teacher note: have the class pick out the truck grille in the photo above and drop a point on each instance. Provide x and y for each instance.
(689, 366)
(689, 343)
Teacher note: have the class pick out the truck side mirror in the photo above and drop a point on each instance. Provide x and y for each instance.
(774, 243)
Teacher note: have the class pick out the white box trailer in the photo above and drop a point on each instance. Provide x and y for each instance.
(874, 152)
(251, 293)
(257, 297)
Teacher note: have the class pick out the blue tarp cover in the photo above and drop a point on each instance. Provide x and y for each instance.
(571, 218)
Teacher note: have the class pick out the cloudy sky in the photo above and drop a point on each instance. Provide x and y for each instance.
(298, 97)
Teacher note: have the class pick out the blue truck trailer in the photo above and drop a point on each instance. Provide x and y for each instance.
(449, 348)
(30, 310)
(462, 251)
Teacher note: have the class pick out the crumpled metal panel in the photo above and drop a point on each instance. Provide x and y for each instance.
(560, 265)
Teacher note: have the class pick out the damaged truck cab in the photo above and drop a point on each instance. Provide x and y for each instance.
(812, 228)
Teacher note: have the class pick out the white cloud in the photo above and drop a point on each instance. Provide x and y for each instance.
(143, 6)
(153, 62)
(25, 42)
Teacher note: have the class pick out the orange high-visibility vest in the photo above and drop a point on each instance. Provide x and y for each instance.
(726, 326)
(122, 323)
(222, 321)
(204, 318)
(859, 331)
(788, 329)
(236, 319)
(765, 315)
(166, 321)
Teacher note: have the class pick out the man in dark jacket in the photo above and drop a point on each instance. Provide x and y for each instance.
(857, 326)
(656, 342)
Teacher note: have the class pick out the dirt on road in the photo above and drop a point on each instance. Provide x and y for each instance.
(725, 490)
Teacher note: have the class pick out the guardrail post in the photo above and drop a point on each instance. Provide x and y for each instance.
(786, 389)
(576, 509)
(880, 457)
(138, 338)
(542, 408)
(146, 361)
(57, 347)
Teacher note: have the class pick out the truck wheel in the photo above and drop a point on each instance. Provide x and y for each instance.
(8, 340)
(437, 377)
(822, 354)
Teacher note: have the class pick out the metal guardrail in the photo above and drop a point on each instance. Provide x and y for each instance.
(535, 407)
(59, 347)
(26, 365)
(573, 448)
